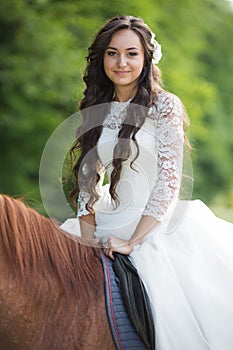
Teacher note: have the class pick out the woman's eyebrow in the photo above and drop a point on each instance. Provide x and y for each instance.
(130, 48)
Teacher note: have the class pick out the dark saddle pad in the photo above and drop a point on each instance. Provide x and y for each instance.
(128, 306)
(135, 298)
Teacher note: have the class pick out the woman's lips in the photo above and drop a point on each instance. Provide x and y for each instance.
(119, 72)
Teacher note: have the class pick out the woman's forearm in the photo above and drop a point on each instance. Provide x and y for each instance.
(87, 225)
(143, 228)
(126, 247)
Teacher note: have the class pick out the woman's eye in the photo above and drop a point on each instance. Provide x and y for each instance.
(133, 54)
(111, 53)
(114, 53)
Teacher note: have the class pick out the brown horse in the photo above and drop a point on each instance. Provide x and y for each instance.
(51, 285)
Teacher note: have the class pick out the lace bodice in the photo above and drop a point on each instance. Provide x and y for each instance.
(167, 118)
(116, 115)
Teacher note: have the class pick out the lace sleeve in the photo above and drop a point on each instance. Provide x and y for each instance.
(83, 198)
(170, 156)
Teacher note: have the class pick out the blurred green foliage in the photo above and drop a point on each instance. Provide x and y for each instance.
(43, 49)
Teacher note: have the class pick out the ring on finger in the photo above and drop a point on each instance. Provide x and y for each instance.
(104, 244)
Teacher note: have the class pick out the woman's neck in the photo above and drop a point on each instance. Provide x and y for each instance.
(124, 94)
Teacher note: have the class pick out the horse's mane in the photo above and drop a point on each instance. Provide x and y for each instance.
(33, 245)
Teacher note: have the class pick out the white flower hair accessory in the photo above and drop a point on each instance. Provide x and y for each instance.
(157, 52)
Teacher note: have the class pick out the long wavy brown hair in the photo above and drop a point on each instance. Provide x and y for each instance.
(100, 90)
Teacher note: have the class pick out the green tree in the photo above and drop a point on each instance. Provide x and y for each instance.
(43, 49)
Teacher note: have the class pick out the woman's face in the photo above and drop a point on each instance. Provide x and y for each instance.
(124, 59)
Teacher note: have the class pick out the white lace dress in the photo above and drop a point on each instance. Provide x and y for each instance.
(186, 262)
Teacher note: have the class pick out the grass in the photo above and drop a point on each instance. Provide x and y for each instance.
(223, 213)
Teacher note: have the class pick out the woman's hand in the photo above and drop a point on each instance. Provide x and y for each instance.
(117, 245)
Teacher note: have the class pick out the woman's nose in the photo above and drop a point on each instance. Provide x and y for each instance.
(122, 61)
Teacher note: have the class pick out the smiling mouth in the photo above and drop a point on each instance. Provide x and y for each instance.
(121, 72)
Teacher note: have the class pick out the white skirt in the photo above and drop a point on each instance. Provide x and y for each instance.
(189, 277)
(188, 274)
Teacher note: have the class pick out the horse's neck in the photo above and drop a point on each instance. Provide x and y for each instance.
(40, 315)
(37, 310)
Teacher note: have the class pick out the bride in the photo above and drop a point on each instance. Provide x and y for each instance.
(128, 180)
